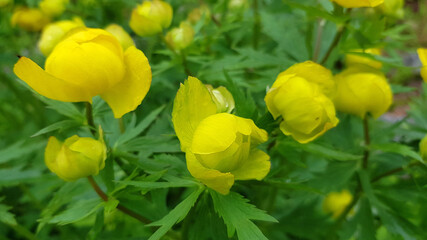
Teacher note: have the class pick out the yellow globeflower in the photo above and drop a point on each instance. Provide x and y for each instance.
(53, 7)
(336, 202)
(362, 90)
(121, 35)
(354, 59)
(181, 37)
(87, 63)
(53, 33)
(358, 3)
(220, 147)
(75, 158)
(422, 54)
(30, 19)
(151, 17)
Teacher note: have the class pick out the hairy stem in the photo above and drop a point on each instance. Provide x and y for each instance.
(89, 117)
(367, 142)
(320, 28)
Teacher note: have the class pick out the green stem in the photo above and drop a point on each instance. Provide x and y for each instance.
(257, 24)
(177, 54)
(89, 117)
(22, 231)
(121, 125)
(320, 28)
(367, 142)
(393, 171)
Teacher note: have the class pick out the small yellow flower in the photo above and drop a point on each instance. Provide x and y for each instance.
(151, 17)
(307, 112)
(354, 59)
(393, 8)
(422, 54)
(336, 202)
(87, 63)
(53, 7)
(222, 97)
(362, 90)
(220, 147)
(197, 13)
(423, 148)
(75, 158)
(181, 37)
(30, 19)
(358, 3)
(121, 35)
(53, 33)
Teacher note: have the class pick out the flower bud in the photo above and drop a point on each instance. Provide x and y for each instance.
(181, 37)
(423, 148)
(220, 147)
(53, 7)
(358, 3)
(336, 202)
(121, 35)
(29, 19)
(75, 158)
(393, 8)
(362, 90)
(223, 99)
(238, 4)
(354, 59)
(151, 17)
(196, 14)
(422, 54)
(307, 112)
(53, 33)
(90, 62)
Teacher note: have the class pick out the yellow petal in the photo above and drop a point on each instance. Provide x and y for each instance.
(192, 104)
(121, 35)
(215, 134)
(256, 167)
(258, 135)
(128, 94)
(218, 181)
(51, 152)
(48, 85)
(358, 3)
(422, 54)
(424, 73)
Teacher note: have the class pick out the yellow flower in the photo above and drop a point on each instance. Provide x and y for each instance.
(423, 148)
(151, 17)
(222, 97)
(121, 35)
(422, 54)
(312, 72)
(87, 63)
(362, 90)
(354, 59)
(358, 3)
(220, 147)
(4, 3)
(53, 33)
(53, 7)
(30, 19)
(393, 8)
(336, 202)
(75, 158)
(197, 13)
(181, 37)
(307, 112)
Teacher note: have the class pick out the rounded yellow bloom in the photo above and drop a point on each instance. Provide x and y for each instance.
(354, 59)
(30, 19)
(197, 13)
(422, 54)
(53, 7)
(87, 63)
(307, 112)
(423, 148)
(222, 97)
(224, 150)
(121, 35)
(336, 202)
(53, 33)
(358, 3)
(181, 37)
(75, 158)
(151, 17)
(362, 90)
(220, 147)
(4, 3)
(393, 8)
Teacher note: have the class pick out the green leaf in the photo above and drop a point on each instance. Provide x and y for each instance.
(78, 211)
(172, 183)
(237, 214)
(62, 125)
(64, 108)
(97, 227)
(399, 149)
(5, 216)
(176, 215)
(18, 150)
(325, 152)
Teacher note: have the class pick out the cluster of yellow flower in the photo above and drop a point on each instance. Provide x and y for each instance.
(219, 146)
